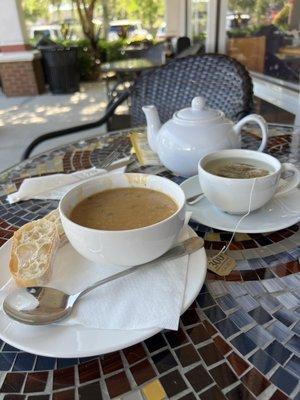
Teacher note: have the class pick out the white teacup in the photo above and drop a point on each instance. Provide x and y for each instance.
(233, 195)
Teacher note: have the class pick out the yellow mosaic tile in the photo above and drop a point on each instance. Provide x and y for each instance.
(154, 391)
(238, 237)
(10, 188)
(41, 169)
(213, 236)
(58, 164)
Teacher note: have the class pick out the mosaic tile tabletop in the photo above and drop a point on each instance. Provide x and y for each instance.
(238, 340)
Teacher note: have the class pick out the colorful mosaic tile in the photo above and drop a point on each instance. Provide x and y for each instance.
(239, 340)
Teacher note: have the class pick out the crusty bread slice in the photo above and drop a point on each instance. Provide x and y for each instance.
(33, 250)
(54, 217)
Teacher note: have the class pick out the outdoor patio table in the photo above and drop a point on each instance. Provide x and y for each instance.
(134, 51)
(126, 66)
(125, 70)
(238, 340)
(290, 51)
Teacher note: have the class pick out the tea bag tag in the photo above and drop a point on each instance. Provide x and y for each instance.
(221, 264)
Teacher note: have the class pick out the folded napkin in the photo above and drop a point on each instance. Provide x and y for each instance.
(148, 298)
(53, 187)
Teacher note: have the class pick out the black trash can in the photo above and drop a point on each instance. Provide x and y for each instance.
(61, 70)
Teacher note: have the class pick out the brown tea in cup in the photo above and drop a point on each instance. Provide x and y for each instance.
(238, 168)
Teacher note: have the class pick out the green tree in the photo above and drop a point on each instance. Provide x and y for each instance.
(150, 12)
(35, 9)
(241, 5)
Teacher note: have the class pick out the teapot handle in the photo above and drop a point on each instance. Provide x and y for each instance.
(262, 124)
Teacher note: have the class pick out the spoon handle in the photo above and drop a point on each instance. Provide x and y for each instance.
(194, 199)
(186, 247)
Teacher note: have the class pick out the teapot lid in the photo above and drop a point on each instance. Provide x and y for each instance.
(198, 112)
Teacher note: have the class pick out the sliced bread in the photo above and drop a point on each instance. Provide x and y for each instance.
(33, 250)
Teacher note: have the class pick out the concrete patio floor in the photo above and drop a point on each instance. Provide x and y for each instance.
(22, 119)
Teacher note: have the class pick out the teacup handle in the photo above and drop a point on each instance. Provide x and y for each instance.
(262, 124)
(290, 184)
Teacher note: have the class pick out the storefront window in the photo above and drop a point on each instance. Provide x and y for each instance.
(198, 24)
(264, 35)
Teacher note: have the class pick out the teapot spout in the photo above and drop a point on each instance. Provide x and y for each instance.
(153, 126)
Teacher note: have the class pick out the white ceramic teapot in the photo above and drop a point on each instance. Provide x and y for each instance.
(194, 132)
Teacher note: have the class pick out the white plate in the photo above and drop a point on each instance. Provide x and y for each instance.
(69, 341)
(279, 213)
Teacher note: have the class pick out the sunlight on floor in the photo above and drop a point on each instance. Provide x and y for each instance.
(24, 119)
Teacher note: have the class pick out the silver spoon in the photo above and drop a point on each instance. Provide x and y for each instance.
(194, 199)
(40, 305)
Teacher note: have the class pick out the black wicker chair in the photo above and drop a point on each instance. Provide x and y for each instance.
(222, 81)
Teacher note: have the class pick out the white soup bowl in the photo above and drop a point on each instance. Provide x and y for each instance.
(123, 247)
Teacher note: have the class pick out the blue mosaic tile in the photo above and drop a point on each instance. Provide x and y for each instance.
(203, 289)
(8, 347)
(290, 281)
(44, 363)
(297, 328)
(205, 300)
(287, 317)
(288, 300)
(235, 289)
(284, 380)
(294, 344)
(294, 365)
(255, 288)
(6, 361)
(247, 302)
(278, 352)
(297, 312)
(242, 265)
(260, 315)
(269, 302)
(227, 328)
(227, 302)
(262, 361)
(85, 359)
(272, 261)
(24, 362)
(294, 253)
(279, 331)
(66, 362)
(256, 263)
(273, 285)
(217, 288)
(243, 344)
(259, 335)
(241, 318)
(214, 313)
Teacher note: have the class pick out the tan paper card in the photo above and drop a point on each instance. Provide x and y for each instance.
(221, 265)
(142, 150)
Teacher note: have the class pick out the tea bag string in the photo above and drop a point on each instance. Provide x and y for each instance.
(225, 248)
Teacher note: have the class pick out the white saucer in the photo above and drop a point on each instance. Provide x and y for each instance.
(69, 341)
(279, 213)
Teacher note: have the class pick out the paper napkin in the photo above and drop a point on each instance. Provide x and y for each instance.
(53, 187)
(148, 298)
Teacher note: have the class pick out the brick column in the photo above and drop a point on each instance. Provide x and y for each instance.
(20, 66)
(21, 73)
